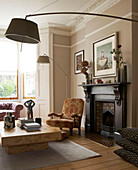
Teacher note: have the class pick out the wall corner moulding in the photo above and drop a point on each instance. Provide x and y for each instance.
(135, 14)
(59, 29)
(97, 6)
(44, 30)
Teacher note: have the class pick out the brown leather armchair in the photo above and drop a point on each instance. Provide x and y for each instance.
(70, 117)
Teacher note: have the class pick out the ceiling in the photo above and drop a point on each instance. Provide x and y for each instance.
(20, 8)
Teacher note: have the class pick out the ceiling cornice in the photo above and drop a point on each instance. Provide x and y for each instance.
(97, 6)
(74, 20)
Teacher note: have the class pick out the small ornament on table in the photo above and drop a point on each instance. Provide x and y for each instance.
(9, 121)
(30, 104)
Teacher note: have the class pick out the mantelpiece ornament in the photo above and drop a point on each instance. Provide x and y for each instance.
(87, 93)
(117, 95)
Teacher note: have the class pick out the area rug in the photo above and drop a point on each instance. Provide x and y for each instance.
(57, 153)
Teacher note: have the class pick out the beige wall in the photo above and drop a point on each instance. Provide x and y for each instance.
(61, 54)
(96, 29)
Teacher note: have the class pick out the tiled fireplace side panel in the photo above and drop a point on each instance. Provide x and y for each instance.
(99, 110)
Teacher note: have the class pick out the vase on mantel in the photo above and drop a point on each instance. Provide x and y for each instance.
(121, 74)
(118, 70)
(87, 78)
(124, 74)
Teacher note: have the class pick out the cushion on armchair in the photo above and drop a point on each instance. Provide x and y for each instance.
(60, 123)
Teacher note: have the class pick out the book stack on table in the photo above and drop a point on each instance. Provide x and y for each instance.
(22, 121)
(31, 126)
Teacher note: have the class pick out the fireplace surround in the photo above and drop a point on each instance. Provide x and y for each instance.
(114, 93)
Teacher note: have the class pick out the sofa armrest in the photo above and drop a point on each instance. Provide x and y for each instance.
(17, 107)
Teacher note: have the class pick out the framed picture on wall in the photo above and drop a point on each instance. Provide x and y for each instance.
(104, 64)
(78, 59)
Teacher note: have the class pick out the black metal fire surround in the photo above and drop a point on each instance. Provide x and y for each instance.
(112, 92)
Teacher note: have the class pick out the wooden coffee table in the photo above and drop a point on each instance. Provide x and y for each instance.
(18, 140)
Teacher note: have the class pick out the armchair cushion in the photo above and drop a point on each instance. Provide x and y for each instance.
(60, 123)
(73, 105)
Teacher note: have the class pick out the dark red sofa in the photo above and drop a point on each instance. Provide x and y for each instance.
(14, 107)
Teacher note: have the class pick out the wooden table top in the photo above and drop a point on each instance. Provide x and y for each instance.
(45, 129)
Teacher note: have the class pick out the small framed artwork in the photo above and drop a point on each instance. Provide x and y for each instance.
(78, 59)
(104, 64)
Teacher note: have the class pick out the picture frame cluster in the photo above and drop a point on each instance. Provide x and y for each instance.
(104, 65)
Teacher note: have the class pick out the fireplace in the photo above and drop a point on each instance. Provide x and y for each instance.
(106, 107)
(105, 118)
(108, 120)
(108, 124)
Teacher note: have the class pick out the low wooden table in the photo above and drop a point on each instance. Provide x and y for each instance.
(18, 140)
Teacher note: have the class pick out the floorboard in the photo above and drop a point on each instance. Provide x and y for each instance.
(107, 161)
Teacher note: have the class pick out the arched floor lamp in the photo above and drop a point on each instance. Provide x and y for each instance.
(26, 31)
(44, 59)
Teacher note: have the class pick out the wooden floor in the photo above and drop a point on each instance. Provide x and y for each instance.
(99, 138)
(107, 161)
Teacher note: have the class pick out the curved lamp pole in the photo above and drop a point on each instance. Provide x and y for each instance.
(26, 31)
(81, 13)
(44, 59)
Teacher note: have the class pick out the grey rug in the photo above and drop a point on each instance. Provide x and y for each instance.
(57, 153)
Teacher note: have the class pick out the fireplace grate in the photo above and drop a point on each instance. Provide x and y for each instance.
(107, 131)
(108, 128)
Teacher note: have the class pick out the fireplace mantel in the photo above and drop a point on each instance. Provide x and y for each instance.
(110, 92)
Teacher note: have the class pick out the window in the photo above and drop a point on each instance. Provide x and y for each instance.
(8, 70)
(12, 61)
(29, 85)
(28, 67)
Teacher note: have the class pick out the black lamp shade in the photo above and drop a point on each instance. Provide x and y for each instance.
(23, 30)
